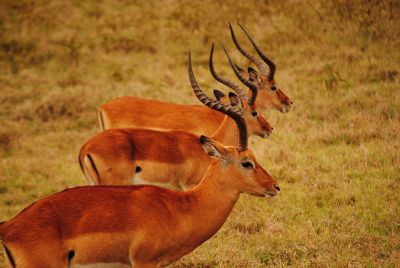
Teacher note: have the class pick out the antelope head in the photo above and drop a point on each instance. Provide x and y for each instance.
(271, 96)
(250, 177)
(255, 121)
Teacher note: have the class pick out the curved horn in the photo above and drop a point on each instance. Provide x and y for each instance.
(226, 82)
(252, 86)
(229, 110)
(270, 63)
(260, 65)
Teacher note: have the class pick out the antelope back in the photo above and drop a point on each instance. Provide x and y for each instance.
(143, 156)
(134, 112)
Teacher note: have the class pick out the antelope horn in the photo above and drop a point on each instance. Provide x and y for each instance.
(271, 64)
(252, 86)
(233, 112)
(260, 65)
(226, 82)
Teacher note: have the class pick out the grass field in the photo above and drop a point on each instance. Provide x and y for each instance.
(336, 155)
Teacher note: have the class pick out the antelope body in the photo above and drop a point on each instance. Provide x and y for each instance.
(126, 112)
(133, 112)
(143, 156)
(135, 226)
(172, 158)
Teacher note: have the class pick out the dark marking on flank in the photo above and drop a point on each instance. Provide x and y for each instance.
(71, 254)
(138, 169)
(9, 256)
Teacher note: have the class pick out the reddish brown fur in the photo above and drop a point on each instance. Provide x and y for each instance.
(145, 226)
(281, 102)
(127, 112)
(113, 155)
(117, 152)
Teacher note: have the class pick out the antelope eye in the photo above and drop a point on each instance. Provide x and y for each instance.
(273, 87)
(247, 164)
(254, 113)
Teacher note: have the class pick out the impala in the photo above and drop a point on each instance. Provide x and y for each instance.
(128, 112)
(271, 96)
(136, 226)
(167, 158)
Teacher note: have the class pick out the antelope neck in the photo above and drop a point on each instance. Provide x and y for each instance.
(227, 133)
(215, 198)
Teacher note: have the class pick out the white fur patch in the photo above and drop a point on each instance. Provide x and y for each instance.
(136, 180)
(269, 195)
(285, 109)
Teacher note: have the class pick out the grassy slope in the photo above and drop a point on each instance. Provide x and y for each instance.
(336, 154)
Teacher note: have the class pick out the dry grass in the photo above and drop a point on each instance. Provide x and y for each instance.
(336, 154)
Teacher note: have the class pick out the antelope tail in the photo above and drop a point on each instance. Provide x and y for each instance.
(89, 169)
(2, 230)
(101, 119)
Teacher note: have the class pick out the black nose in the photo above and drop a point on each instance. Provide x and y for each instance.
(277, 188)
(291, 102)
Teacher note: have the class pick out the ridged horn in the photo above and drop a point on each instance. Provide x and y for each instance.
(233, 112)
(226, 82)
(269, 62)
(252, 86)
(260, 65)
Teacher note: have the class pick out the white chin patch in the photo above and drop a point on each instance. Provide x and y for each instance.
(269, 195)
(284, 109)
(266, 135)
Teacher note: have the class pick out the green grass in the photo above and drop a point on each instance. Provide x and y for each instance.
(336, 154)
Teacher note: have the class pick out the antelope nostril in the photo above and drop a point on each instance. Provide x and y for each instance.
(272, 128)
(291, 102)
(277, 188)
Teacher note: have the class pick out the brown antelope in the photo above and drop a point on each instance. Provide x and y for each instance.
(136, 226)
(130, 112)
(270, 95)
(167, 158)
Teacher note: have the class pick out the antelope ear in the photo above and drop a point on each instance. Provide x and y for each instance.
(213, 148)
(218, 94)
(235, 100)
(253, 75)
(239, 68)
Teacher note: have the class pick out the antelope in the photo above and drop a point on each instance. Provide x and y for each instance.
(166, 158)
(130, 112)
(271, 95)
(136, 226)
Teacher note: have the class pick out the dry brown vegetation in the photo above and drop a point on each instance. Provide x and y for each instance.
(336, 154)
